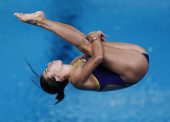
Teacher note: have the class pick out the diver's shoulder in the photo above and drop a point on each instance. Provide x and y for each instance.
(75, 60)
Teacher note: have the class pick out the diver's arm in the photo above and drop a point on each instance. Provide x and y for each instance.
(81, 74)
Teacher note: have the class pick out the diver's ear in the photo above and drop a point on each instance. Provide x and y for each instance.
(57, 78)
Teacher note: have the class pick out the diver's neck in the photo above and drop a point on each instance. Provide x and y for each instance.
(68, 69)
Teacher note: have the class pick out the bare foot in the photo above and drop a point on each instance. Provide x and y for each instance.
(32, 18)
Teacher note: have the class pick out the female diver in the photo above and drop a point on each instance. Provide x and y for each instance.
(104, 66)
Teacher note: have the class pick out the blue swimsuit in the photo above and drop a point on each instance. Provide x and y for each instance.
(106, 77)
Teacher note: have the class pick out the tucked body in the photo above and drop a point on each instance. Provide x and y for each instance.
(104, 66)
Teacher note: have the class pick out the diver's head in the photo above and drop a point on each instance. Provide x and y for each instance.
(55, 70)
(55, 77)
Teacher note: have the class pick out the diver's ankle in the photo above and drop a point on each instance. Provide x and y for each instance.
(41, 21)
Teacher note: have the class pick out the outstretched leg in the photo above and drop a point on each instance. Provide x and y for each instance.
(67, 32)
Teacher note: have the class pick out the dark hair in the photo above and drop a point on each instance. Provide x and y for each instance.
(51, 86)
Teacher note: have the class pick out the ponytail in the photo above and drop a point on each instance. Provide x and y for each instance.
(60, 96)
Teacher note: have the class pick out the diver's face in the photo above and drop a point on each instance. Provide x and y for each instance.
(54, 69)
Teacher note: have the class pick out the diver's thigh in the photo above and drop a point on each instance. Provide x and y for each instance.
(124, 46)
(121, 61)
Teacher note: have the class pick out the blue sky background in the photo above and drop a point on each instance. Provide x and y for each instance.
(146, 23)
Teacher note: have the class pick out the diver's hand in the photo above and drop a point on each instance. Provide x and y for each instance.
(95, 35)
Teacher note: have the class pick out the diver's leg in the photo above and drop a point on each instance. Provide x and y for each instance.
(129, 64)
(127, 46)
(67, 32)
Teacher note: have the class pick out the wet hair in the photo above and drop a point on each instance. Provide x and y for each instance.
(51, 86)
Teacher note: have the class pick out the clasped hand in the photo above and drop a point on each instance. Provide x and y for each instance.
(95, 35)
